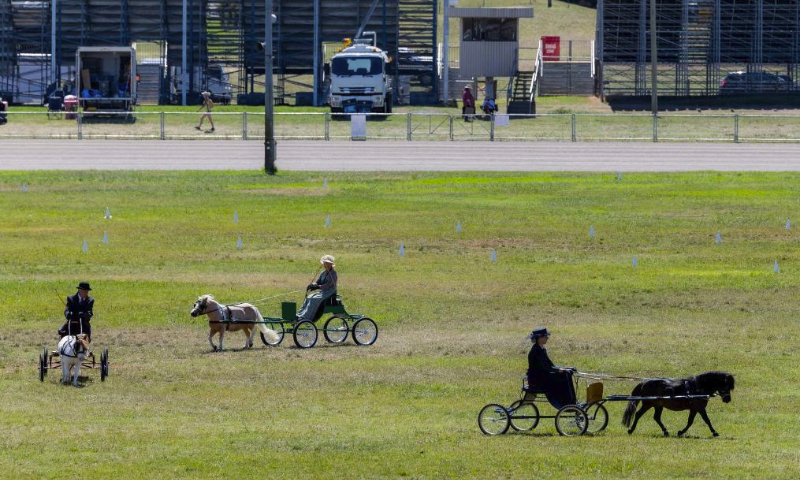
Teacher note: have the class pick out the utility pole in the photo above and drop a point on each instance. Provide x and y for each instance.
(184, 76)
(53, 63)
(653, 59)
(269, 101)
(446, 52)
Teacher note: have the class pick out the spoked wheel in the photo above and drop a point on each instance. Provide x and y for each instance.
(493, 419)
(365, 331)
(523, 416)
(305, 334)
(597, 416)
(335, 330)
(571, 421)
(42, 365)
(104, 365)
(278, 328)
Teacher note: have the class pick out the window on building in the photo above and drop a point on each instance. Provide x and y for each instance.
(489, 30)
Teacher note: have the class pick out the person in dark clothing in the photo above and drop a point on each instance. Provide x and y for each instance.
(78, 312)
(469, 104)
(557, 381)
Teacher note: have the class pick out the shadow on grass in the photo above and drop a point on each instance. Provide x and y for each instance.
(716, 102)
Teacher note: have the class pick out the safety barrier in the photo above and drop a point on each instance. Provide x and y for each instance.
(412, 126)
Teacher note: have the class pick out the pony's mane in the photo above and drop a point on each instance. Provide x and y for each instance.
(717, 373)
(207, 296)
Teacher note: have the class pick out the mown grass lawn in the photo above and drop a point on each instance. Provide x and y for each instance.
(453, 324)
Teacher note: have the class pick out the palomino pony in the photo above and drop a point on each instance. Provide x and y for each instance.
(72, 350)
(222, 318)
(709, 383)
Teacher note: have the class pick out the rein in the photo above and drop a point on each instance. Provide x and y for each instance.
(603, 376)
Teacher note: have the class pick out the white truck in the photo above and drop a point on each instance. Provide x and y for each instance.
(106, 78)
(359, 82)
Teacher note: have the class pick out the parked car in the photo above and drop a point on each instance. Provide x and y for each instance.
(754, 82)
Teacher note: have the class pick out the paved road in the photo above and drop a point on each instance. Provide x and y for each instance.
(396, 156)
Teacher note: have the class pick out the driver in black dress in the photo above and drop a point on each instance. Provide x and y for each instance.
(556, 381)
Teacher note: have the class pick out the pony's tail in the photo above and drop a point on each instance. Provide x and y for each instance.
(268, 333)
(627, 417)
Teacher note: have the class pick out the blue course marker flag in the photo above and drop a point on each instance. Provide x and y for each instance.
(402, 249)
(105, 237)
(85, 247)
(718, 237)
(239, 243)
(591, 231)
(494, 255)
(775, 267)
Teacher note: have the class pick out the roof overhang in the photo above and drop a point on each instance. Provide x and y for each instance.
(491, 12)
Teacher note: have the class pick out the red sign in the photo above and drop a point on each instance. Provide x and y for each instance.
(551, 49)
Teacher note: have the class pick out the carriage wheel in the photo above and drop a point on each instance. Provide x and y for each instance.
(335, 330)
(523, 416)
(104, 365)
(42, 365)
(493, 419)
(278, 328)
(365, 331)
(571, 421)
(597, 416)
(305, 334)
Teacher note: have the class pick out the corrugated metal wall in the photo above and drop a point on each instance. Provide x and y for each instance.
(488, 59)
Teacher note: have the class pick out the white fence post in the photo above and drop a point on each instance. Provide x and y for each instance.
(408, 126)
(244, 125)
(574, 133)
(161, 121)
(736, 128)
(327, 126)
(655, 128)
(80, 125)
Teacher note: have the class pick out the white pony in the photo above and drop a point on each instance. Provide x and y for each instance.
(222, 318)
(72, 350)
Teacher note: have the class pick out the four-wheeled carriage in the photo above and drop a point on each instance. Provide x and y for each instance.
(336, 328)
(49, 360)
(523, 415)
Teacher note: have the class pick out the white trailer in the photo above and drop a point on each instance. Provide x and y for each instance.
(106, 78)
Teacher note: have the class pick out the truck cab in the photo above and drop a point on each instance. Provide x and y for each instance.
(359, 82)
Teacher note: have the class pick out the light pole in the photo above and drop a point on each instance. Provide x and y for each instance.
(269, 101)
(653, 59)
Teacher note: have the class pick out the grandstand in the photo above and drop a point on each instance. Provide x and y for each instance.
(699, 43)
(221, 34)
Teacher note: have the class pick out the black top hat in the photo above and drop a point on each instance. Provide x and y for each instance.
(539, 333)
(84, 286)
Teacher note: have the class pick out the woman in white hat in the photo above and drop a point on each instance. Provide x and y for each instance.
(326, 284)
(208, 104)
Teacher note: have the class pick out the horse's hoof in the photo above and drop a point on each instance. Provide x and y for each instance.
(630, 432)
(680, 433)
(716, 434)
(666, 433)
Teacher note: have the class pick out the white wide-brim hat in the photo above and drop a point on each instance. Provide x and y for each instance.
(328, 259)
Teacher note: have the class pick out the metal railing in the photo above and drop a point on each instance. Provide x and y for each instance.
(412, 126)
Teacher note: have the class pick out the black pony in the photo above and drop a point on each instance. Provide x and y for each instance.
(709, 383)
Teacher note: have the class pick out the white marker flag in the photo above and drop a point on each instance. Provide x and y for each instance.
(591, 231)
(328, 221)
(494, 255)
(108, 213)
(24, 188)
(775, 267)
(85, 247)
(239, 243)
(458, 226)
(235, 216)
(718, 237)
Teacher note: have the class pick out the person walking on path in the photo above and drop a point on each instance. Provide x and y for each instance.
(208, 104)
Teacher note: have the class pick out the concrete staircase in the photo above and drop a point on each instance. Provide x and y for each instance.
(566, 78)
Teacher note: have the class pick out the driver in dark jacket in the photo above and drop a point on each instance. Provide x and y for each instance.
(79, 313)
(556, 381)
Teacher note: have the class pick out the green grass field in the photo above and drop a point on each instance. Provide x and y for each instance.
(453, 324)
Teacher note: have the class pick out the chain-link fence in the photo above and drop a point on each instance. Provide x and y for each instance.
(404, 127)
